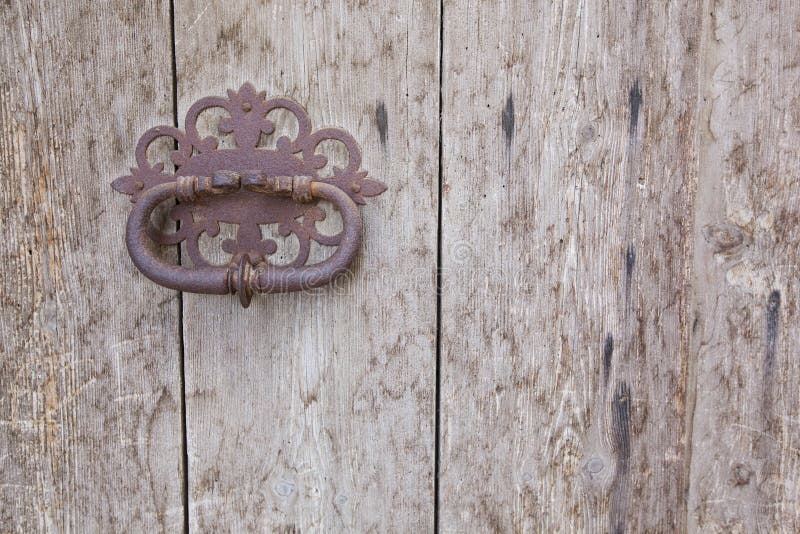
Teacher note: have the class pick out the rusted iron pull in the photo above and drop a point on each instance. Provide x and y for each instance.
(247, 186)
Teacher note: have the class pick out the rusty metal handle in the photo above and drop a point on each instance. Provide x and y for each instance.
(242, 276)
(209, 196)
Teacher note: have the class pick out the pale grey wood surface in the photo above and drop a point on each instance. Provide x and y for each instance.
(564, 360)
(90, 423)
(619, 274)
(316, 411)
(587, 149)
(745, 456)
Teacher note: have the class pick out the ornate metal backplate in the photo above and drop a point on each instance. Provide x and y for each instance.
(247, 186)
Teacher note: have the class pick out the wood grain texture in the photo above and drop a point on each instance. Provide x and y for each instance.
(569, 167)
(745, 470)
(316, 411)
(619, 321)
(90, 423)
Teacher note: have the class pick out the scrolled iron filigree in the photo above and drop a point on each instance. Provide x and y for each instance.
(247, 186)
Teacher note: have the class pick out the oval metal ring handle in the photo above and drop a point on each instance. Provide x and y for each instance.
(241, 275)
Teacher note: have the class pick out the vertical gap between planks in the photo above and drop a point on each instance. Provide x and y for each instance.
(181, 351)
(438, 403)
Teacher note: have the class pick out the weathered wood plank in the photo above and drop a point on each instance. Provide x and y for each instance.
(569, 171)
(90, 423)
(316, 411)
(745, 474)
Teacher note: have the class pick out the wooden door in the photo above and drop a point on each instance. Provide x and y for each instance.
(574, 309)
